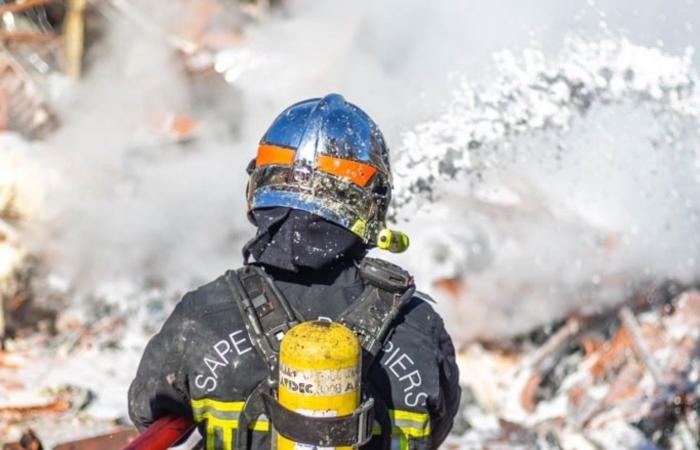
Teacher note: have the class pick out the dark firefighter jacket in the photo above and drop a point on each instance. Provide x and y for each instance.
(202, 363)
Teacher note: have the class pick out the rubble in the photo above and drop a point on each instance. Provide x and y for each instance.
(28, 441)
(624, 379)
(30, 53)
(15, 261)
(47, 398)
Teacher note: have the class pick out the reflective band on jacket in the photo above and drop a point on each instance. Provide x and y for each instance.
(222, 420)
(415, 425)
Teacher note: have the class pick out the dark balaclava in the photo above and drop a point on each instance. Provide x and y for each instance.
(295, 240)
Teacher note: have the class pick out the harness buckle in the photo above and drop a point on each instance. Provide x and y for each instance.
(385, 275)
(365, 413)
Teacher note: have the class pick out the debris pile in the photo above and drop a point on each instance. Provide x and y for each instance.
(17, 198)
(45, 400)
(30, 54)
(624, 379)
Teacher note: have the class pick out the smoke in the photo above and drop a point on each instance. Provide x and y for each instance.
(534, 233)
(129, 204)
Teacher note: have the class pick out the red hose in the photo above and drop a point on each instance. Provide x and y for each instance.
(165, 432)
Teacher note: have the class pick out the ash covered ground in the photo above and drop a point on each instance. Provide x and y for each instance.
(547, 169)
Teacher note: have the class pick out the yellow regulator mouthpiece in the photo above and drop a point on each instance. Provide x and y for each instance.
(393, 240)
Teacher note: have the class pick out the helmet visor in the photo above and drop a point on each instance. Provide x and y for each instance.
(335, 198)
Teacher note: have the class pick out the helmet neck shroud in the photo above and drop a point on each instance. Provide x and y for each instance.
(295, 241)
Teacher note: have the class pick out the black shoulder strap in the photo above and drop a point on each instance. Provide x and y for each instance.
(388, 288)
(267, 316)
(266, 312)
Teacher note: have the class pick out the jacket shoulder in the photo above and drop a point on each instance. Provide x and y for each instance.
(418, 312)
(209, 298)
(420, 315)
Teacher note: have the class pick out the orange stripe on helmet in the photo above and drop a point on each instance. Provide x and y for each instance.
(273, 154)
(357, 172)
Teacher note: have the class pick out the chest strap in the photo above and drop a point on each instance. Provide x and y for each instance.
(268, 316)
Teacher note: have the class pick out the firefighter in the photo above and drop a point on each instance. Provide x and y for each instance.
(318, 194)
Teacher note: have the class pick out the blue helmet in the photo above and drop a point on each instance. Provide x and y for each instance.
(327, 157)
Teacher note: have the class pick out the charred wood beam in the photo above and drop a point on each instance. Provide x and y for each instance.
(640, 346)
(74, 38)
(563, 336)
(687, 437)
(28, 441)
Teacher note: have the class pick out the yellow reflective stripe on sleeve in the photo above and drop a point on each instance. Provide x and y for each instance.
(206, 403)
(414, 432)
(221, 420)
(260, 425)
(211, 418)
(211, 437)
(224, 415)
(407, 424)
(228, 437)
(222, 423)
(397, 414)
(411, 424)
(222, 428)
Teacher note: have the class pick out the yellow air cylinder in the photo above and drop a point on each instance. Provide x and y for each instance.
(319, 373)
